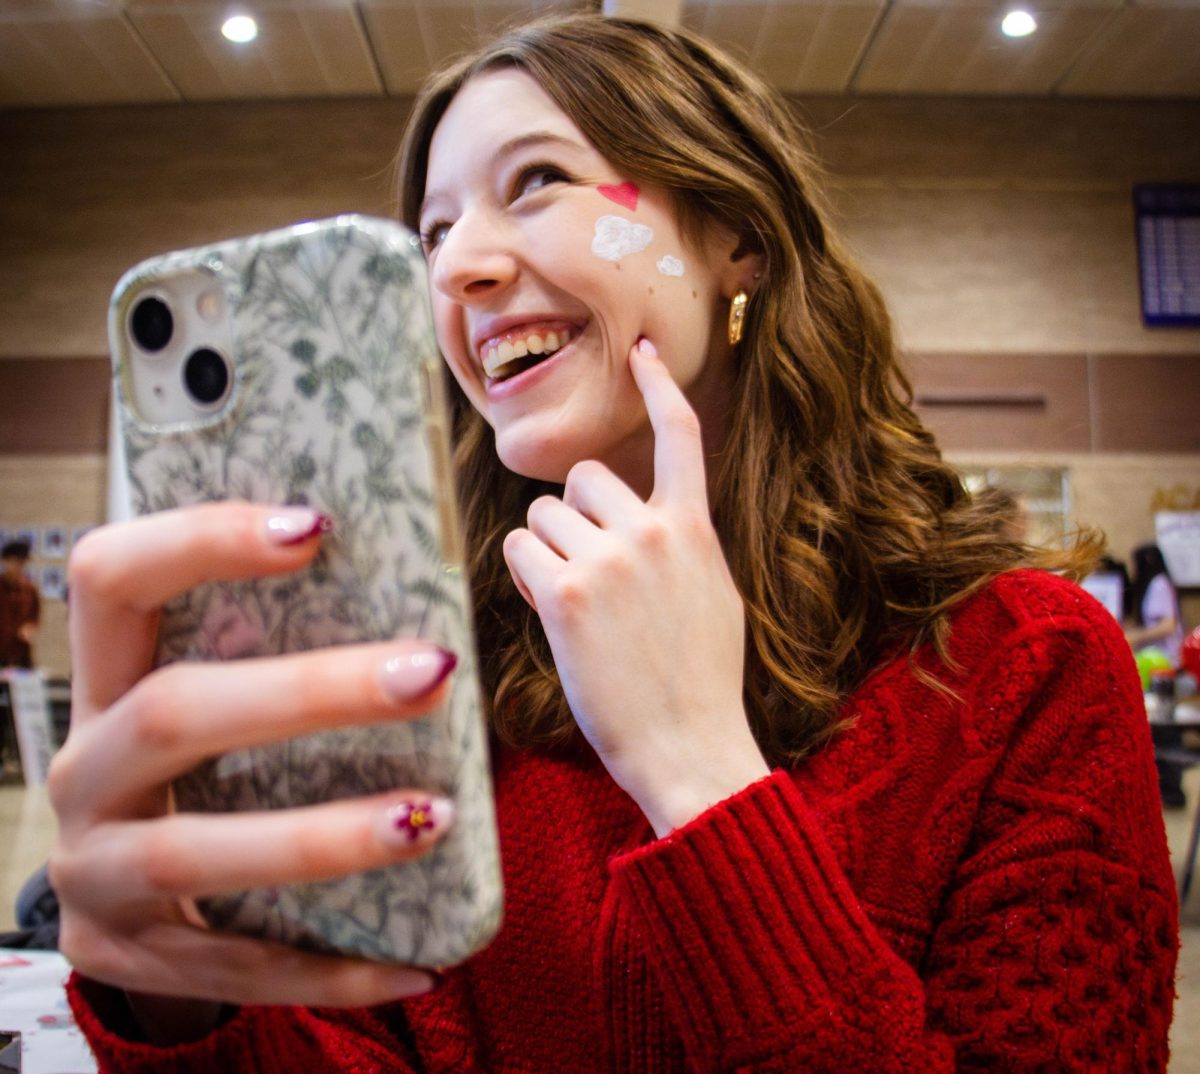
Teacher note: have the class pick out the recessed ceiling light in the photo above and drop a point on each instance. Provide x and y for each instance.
(240, 28)
(1018, 23)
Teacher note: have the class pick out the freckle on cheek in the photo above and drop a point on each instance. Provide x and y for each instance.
(694, 295)
(650, 289)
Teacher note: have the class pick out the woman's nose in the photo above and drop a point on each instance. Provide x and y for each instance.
(474, 260)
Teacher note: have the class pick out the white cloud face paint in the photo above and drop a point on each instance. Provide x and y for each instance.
(670, 266)
(616, 238)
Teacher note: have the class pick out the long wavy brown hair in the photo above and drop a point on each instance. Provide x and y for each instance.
(847, 535)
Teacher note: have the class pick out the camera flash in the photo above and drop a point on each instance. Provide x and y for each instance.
(208, 305)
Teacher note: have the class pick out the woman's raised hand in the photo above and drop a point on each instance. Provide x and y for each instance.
(125, 868)
(643, 618)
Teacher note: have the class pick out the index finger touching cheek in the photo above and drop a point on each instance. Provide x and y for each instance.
(678, 447)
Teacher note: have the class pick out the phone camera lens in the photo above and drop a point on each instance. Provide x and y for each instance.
(152, 324)
(206, 376)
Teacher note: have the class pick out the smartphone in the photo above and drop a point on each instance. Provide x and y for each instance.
(299, 367)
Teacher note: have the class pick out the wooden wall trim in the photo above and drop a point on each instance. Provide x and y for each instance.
(1110, 402)
(54, 406)
(972, 402)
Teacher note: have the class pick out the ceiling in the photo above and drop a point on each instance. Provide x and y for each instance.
(94, 52)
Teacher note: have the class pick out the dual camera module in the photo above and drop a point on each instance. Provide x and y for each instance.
(205, 372)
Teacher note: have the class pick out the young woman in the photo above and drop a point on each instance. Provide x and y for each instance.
(1154, 605)
(798, 766)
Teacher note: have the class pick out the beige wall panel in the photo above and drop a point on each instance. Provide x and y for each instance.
(89, 192)
(1004, 269)
(53, 490)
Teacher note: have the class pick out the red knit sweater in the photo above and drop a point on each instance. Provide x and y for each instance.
(970, 883)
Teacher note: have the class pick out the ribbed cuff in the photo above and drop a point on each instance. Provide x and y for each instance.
(755, 932)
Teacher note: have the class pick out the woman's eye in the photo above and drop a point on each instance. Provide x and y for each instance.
(537, 177)
(432, 235)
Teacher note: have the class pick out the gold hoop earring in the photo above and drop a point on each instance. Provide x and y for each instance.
(737, 317)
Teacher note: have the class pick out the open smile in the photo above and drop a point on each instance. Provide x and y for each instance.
(521, 372)
(510, 353)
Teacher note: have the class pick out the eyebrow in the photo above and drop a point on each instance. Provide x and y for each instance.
(515, 145)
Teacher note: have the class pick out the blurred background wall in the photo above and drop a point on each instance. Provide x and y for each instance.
(1001, 232)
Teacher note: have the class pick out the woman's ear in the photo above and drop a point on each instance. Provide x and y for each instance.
(744, 269)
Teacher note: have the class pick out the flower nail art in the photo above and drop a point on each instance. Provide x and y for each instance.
(411, 818)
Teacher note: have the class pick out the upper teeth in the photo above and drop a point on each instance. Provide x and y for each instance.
(498, 356)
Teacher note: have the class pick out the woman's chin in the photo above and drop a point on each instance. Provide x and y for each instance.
(539, 461)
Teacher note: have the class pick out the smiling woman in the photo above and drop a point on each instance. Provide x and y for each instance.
(802, 763)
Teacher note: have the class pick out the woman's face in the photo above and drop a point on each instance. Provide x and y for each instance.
(546, 266)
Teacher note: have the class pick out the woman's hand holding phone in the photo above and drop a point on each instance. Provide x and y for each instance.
(125, 867)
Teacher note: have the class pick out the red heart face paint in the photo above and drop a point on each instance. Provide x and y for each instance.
(623, 194)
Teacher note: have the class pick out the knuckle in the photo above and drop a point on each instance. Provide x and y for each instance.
(89, 951)
(539, 507)
(62, 777)
(513, 539)
(75, 946)
(152, 712)
(569, 596)
(697, 529)
(618, 564)
(583, 472)
(90, 565)
(652, 534)
(162, 868)
(60, 872)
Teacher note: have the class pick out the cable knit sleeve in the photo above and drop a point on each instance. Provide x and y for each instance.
(1052, 937)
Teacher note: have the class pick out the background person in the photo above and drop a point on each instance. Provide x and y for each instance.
(20, 613)
(1158, 624)
(1154, 605)
(20, 607)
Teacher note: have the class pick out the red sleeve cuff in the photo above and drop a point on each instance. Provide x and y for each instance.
(748, 917)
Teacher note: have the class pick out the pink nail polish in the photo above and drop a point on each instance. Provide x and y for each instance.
(408, 676)
(295, 525)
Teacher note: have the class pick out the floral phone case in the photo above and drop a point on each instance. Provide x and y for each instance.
(299, 367)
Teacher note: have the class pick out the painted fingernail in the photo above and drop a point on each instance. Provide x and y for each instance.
(294, 525)
(415, 982)
(413, 674)
(417, 823)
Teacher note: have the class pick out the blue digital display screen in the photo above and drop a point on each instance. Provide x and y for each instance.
(1168, 236)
